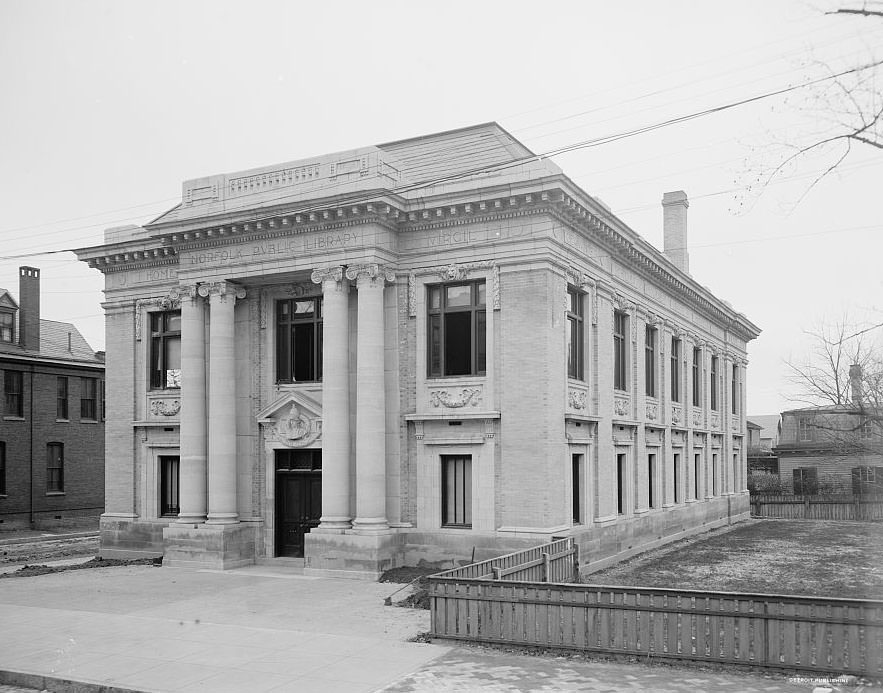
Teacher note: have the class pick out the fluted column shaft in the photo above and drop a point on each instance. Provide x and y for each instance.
(370, 401)
(192, 481)
(336, 513)
(221, 407)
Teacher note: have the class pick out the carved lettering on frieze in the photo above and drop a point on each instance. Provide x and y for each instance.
(165, 407)
(467, 395)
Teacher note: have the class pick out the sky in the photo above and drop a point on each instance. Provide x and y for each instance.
(107, 107)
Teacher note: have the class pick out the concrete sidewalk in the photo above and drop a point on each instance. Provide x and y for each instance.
(264, 628)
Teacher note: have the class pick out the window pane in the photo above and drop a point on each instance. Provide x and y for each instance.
(173, 322)
(458, 343)
(302, 338)
(435, 347)
(480, 341)
(434, 298)
(458, 295)
(480, 294)
(303, 308)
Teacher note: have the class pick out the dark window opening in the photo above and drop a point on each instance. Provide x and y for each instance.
(61, 407)
(55, 468)
(620, 484)
(650, 361)
(165, 350)
(676, 472)
(299, 340)
(12, 386)
(867, 480)
(675, 370)
(89, 398)
(697, 468)
(714, 377)
(806, 481)
(697, 374)
(619, 350)
(576, 462)
(457, 329)
(7, 327)
(575, 340)
(169, 477)
(2, 468)
(651, 480)
(456, 491)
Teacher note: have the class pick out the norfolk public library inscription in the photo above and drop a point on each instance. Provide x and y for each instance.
(273, 250)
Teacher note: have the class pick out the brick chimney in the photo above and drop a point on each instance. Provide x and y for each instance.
(674, 227)
(29, 308)
(855, 383)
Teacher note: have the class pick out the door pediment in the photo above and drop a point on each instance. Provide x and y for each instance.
(292, 421)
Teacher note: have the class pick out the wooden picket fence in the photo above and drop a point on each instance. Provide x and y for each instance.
(821, 507)
(557, 561)
(834, 636)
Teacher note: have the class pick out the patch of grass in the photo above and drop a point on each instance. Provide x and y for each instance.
(97, 562)
(801, 557)
(416, 576)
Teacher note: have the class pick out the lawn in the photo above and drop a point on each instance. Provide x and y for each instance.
(803, 557)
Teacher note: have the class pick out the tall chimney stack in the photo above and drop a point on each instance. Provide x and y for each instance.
(29, 308)
(855, 383)
(674, 226)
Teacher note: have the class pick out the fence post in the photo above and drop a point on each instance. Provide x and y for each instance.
(545, 567)
(496, 572)
(806, 507)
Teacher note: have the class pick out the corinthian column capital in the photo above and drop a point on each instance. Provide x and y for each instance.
(371, 274)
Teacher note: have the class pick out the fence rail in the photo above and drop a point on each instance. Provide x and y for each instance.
(800, 633)
(818, 507)
(556, 561)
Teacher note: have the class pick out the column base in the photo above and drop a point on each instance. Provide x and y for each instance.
(335, 523)
(352, 555)
(370, 525)
(222, 519)
(210, 546)
(190, 520)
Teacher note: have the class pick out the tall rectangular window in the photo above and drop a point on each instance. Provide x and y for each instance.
(697, 468)
(620, 325)
(697, 377)
(169, 470)
(676, 475)
(620, 484)
(650, 361)
(61, 408)
(734, 389)
(714, 377)
(576, 465)
(675, 369)
(55, 468)
(804, 430)
(714, 488)
(867, 480)
(806, 481)
(2, 468)
(299, 340)
(456, 491)
(7, 326)
(575, 340)
(165, 350)
(12, 386)
(457, 338)
(651, 480)
(89, 399)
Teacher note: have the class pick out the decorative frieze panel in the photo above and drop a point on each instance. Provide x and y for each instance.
(621, 405)
(652, 411)
(292, 428)
(734, 422)
(165, 407)
(455, 398)
(715, 421)
(577, 398)
(677, 415)
(697, 418)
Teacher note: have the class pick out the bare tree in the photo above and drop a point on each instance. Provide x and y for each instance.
(842, 378)
(842, 111)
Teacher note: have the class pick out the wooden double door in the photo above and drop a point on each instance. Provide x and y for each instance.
(298, 498)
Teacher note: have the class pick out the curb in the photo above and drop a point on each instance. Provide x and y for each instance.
(47, 537)
(58, 685)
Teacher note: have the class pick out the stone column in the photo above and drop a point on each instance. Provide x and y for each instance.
(370, 400)
(192, 481)
(336, 514)
(221, 404)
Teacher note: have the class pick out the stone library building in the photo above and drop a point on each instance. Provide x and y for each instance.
(426, 350)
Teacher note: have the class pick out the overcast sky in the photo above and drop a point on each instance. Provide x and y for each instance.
(107, 107)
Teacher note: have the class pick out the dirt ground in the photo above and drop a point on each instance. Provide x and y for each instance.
(41, 549)
(801, 557)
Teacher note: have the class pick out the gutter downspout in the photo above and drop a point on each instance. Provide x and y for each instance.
(31, 442)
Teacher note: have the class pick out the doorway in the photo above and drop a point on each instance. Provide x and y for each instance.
(298, 498)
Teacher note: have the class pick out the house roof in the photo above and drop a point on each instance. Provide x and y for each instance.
(769, 424)
(6, 299)
(58, 340)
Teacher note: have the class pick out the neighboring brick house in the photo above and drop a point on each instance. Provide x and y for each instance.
(429, 349)
(831, 449)
(52, 427)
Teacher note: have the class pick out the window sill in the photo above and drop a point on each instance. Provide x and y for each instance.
(456, 526)
(55, 493)
(13, 418)
(62, 420)
(89, 421)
